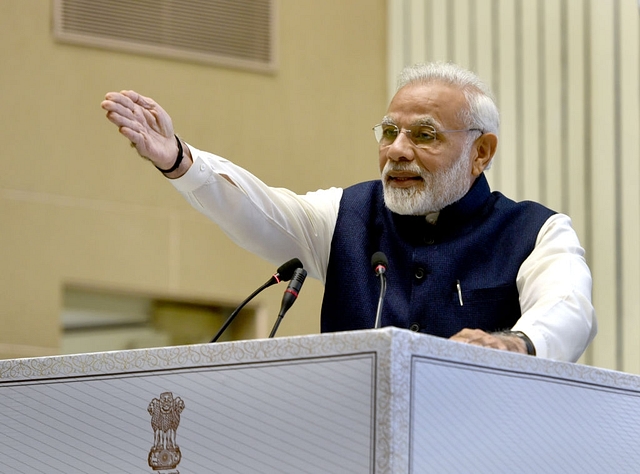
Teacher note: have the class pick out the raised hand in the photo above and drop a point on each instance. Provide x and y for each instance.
(145, 124)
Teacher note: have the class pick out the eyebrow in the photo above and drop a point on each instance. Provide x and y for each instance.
(421, 122)
(426, 121)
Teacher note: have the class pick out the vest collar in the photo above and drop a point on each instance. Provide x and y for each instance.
(463, 210)
(456, 218)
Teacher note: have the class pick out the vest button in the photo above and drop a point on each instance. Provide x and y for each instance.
(415, 327)
(419, 274)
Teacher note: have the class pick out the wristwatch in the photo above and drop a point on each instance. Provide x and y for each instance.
(531, 349)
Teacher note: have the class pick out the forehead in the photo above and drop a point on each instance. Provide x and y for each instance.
(440, 103)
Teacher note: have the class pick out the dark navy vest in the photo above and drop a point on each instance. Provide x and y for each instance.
(478, 242)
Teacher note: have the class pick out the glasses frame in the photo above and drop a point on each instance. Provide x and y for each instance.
(408, 133)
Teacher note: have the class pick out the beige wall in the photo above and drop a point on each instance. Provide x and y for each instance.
(79, 207)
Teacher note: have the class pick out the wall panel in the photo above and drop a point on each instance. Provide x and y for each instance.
(565, 74)
(604, 186)
(629, 142)
(80, 208)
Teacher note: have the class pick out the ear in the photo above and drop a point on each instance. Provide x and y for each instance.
(485, 147)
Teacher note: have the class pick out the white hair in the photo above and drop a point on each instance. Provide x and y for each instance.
(482, 112)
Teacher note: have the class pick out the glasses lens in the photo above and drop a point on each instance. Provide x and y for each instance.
(423, 136)
(385, 133)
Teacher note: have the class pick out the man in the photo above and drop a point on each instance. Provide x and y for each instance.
(465, 263)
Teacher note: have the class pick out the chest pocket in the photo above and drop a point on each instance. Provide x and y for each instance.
(490, 309)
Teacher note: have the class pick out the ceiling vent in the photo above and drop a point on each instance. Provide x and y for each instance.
(231, 33)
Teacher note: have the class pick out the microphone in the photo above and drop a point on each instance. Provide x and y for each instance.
(290, 296)
(283, 273)
(379, 264)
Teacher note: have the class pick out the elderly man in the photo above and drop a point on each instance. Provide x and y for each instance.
(466, 263)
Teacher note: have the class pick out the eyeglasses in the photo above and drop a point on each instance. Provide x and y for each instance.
(422, 136)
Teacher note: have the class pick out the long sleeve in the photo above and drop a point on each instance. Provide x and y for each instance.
(554, 284)
(273, 223)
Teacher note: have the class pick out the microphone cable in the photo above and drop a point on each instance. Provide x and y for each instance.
(283, 273)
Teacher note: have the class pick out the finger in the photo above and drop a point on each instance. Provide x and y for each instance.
(458, 338)
(131, 95)
(467, 334)
(134, 137)
(137, 108)
(140, 100)
(477, 337)
(116, 112)
(123, 122)
(491, 342)
(136, 140)
(147, 104)
(120, 98)
(116, 109)
(124, 113)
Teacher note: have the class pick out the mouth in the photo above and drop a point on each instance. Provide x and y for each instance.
(401, 180)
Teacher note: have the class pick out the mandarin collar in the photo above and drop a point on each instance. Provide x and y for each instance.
(464, 209)
(456, 218)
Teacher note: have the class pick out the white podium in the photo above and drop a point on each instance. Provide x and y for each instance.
(377, 401)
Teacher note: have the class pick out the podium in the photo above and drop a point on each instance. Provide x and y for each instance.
(376, 401)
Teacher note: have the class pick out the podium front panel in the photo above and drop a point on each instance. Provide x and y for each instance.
(489, 412)
(306, 415)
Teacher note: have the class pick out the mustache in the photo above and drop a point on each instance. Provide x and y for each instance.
(393, 167)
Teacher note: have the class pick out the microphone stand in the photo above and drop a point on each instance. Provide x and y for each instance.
(383, 290)
(379, 264)
(290, 296)
(275, 326)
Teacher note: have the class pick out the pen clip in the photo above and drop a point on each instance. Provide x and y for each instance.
(459, 288)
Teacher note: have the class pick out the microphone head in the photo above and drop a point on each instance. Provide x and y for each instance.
(298, 278)
(285, 271)
(379, 262)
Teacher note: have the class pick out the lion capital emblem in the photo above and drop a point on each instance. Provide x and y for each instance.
(165, 418)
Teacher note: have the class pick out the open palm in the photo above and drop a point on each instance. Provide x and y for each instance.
(144, 123)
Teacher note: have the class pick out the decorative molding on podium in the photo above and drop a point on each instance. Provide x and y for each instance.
(261, 350)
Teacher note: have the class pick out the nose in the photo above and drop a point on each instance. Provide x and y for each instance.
(401, 149)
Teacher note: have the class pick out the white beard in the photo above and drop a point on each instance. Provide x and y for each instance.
(436, 191)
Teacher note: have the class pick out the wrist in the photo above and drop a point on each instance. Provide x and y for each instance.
(177, 161)
(529, 348)
(181, 164)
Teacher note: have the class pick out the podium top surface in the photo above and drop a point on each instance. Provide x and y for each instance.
(388, 343)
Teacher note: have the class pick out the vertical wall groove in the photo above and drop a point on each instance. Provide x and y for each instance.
(564, 105)
(542, 102)
(617, 160)
(638, 154)
(407, 32)
(473, 35)
(428, 16)
(495, 64)
(587, 137)
(519, 86)
(451, 30)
